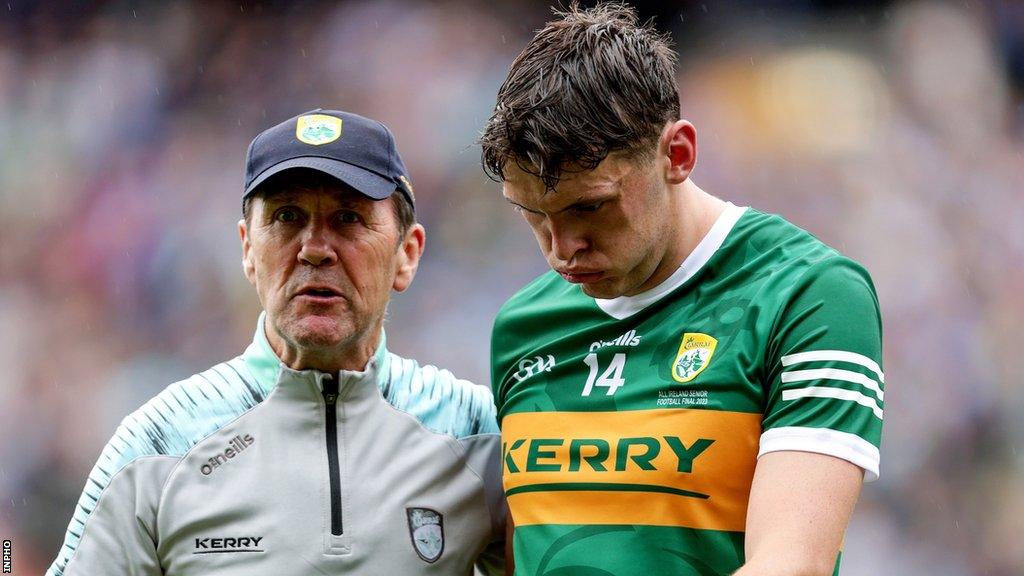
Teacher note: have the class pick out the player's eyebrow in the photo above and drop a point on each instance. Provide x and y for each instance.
(580, 201)
(518, 205)
(589, 201)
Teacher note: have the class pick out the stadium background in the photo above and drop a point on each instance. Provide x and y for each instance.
(893, 131)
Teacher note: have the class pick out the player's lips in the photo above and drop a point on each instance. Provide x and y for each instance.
(581, 276)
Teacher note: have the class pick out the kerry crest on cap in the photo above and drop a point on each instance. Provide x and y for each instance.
(366, 158)
(317, 129)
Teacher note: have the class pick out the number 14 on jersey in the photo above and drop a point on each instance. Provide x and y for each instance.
(611, 378)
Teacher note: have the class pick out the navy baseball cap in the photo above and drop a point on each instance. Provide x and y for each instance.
(358, 151)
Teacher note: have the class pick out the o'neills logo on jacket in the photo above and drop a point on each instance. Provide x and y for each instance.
(235, 447)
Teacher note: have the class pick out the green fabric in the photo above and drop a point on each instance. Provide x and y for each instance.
(770, 291)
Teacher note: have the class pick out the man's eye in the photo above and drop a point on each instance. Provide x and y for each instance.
(287, 215)
(349, 218)
(587, 208)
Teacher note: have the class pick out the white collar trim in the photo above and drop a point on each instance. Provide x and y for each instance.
(625, 306)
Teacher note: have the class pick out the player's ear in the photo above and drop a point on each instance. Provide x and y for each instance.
(408, 261)
(678, 143)
(248, 266)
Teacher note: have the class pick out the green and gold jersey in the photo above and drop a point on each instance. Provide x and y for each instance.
(631, 426)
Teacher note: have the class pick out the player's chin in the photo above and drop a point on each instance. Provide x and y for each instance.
(605, 289)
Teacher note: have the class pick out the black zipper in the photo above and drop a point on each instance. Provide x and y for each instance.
(331, 416)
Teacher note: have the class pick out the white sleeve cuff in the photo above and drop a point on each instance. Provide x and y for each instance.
(849, 447)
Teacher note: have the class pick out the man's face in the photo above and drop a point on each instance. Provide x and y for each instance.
(324, 261)
(606, 229)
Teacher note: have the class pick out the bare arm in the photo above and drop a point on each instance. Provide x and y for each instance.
(800, 504)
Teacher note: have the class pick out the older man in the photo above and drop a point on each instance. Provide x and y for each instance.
(316, 450)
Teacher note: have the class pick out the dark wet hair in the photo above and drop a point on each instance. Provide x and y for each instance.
(592, 82)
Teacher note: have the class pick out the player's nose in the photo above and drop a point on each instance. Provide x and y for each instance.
(566, 241)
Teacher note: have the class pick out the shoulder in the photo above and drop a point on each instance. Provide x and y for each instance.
(185, 412)
(775, 240)
(834, 296)
(824, 300)
(837, 276)
(794, 257)
(149, 442)
(440, 401)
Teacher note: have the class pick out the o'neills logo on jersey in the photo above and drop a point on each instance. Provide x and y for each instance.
(695, 351)
(235, 447)
(630, 338)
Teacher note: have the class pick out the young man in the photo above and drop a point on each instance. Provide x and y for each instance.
(695, 388)
(316, 450)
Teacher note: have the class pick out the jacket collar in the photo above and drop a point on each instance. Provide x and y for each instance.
(268, 369)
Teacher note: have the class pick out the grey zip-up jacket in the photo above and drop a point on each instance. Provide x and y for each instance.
(253, 468)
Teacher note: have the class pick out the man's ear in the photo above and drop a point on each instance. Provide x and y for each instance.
(679, 143)
(248, 266)
(409, 252)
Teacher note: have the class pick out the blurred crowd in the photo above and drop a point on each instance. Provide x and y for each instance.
(893, 131)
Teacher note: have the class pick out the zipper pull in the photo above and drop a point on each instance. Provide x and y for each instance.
(330, 389)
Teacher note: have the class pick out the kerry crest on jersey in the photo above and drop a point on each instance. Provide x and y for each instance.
(695, 352)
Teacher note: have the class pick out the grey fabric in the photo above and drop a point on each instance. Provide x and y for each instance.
(253, 496)
(480, 450)
(120, 538)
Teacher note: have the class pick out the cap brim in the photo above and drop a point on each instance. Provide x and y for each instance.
(363, 181)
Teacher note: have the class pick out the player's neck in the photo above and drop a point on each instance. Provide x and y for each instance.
(699, 212)
(696, 212)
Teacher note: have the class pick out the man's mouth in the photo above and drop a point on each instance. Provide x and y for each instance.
(319, 293)
(581, 276)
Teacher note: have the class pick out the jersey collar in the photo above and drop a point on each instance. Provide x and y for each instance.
(626, 306)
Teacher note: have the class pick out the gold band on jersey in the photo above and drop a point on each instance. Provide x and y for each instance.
(668, 467)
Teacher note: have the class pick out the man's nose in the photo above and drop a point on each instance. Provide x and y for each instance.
(566, 241)
(317, 249)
